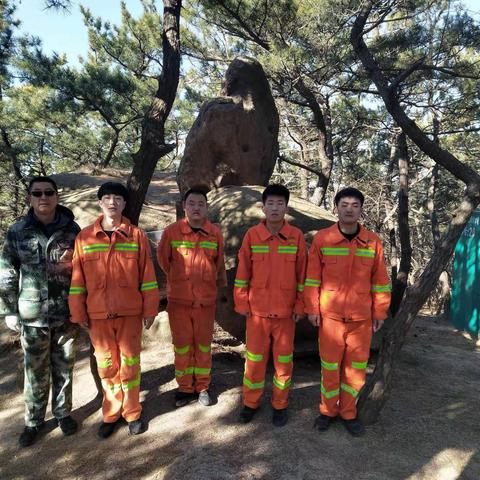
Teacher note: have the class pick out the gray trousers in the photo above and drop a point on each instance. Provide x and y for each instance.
(48, 352)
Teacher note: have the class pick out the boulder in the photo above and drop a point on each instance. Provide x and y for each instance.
(235, 210)
(234, 139)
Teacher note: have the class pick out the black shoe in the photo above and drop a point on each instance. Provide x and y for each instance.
(355, 427)
(29, 435)
(322, 422)
(204, 398)
(106, 429)
(67, 425)
(247, 414)
(280, 417)
(184, 398)
(136, 427)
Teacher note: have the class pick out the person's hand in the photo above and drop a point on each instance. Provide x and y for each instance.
(377, 325)
(314, 320)
(296, 317)
(148, 321)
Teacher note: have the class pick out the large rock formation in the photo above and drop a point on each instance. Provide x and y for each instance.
(235, 210)
(234, 140)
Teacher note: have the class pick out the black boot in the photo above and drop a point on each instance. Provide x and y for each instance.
(354, 427)
(322, 422)
(67, 425)
(106, 429)
(136, 427)
(280, 417)
(29, 435)
(247, 414)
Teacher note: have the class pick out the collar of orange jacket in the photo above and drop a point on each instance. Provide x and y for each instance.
(124, 227)
(284, 233)
(205, 229)
(335, 235)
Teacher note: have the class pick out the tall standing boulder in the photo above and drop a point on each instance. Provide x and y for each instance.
(234, 139)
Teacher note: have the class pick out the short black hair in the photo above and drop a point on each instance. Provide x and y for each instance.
(40, 178)
(197, 190)
(349, 192)
(113, 188)
(277, 190)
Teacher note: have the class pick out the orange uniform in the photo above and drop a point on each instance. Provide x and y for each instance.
(269, 285)
(113, 287)
(194, 265)
(347, 284)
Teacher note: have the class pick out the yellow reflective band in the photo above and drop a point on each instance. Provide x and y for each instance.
(241, 283)
(329, 365)
(132, 384)
(335, 251)
(381, 288)
(285, 358)
(260, 248)
(105, 363)
(254, 357)
(291, 249)
(126, 247)
(182, 350)
(182, 244)
(187, 371)
(365, 252)
(209, 245)
(77, 290)
(96, 247)
(130, 360)
(251, 385)
(148, 286)
(311, 282)
(329, 394)
(349, 389)
(281, 385)
(300, 287)
(201, 371)
(204, 348)
(114, 387)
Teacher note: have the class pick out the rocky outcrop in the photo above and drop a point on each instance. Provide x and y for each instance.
(234, 140)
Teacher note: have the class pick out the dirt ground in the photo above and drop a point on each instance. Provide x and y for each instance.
(430, 428)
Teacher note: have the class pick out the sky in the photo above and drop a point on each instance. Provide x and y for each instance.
(66, 33)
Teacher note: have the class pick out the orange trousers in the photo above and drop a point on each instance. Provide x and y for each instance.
(259, 331)
(344, 350)
(117, 344)
(192, 331)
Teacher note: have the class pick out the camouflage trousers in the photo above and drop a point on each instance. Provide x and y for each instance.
(48, 351)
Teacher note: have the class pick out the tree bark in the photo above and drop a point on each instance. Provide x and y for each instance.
(376, 391)
(152, 145)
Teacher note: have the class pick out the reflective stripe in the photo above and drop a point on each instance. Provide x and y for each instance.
(148, 286)
(300, 287)
(113, 388)
(209, 245)
(187, 371)
(201, 371)
(281, 385)
(181, 350)
(96, 247)
(253, 386)
(311, 282)
(329, 365)
(204, 348)
(132, 384)
(349, 389)
(260, 248)
(77, 290)
(241, 283)
(381, 288)
(254, 357)
(330, 394)
(360, 365)
(291, 249)
(105, 363)
(126, 247)
(130, 360)
(285, 358)
(334, 251)
(365, 252)
(182, 244)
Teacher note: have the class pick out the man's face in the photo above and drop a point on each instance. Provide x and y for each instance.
(112, 206)
(43, 198)
(195, 207)
(275, 208)
(348, 210)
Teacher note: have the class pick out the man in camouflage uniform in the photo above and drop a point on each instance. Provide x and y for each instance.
(35, 271)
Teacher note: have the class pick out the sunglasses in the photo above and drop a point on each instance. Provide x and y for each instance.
(39, 193)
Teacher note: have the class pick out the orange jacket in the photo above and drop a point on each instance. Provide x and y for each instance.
(347, 280)
(112, 277)
(271, 271)
(193, 263)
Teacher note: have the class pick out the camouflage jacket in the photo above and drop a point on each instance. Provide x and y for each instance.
(35, 271)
